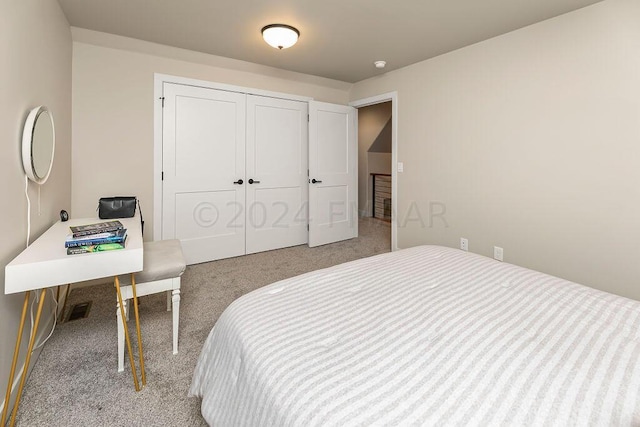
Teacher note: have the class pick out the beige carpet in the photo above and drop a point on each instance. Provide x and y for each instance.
(76, 383)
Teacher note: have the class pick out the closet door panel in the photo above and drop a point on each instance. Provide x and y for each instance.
(272, 208)
(205, 139)
(203, 155)
(277, 156)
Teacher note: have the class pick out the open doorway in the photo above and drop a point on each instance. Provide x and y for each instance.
(378, 160)
(374, 161)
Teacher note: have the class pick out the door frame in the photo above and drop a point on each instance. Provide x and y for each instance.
(158, 82)
(378, 99)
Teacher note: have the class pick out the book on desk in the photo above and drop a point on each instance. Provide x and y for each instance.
(118, 236)
(94, 248)
(97, 237)
(96, 228)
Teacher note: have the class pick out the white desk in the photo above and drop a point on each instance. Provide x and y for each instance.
(45, 264)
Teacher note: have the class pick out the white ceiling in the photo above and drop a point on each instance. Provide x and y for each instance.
(339, 39)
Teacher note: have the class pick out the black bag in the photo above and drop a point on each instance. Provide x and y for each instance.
(119, 207)
(116, 207)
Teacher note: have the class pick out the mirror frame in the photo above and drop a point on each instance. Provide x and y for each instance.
(27, 143)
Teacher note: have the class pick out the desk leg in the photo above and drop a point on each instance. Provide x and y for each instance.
(126, 335)
(135, 309)
(27, 361)
(16, 352)
(64, 305)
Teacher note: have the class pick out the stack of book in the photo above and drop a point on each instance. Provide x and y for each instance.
(98, 237)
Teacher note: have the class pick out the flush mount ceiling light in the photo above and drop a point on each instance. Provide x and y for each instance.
(380, 64)
(280, 36)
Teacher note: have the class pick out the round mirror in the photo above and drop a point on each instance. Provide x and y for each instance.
(38, 144)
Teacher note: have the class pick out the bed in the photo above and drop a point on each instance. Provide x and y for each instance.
(423, 336)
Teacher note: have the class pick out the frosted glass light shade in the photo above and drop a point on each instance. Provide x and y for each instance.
(280, 36)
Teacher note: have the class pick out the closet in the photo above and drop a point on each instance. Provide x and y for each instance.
(236, 172)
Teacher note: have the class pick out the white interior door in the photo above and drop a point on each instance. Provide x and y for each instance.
(203, 198)
(333, 167)
(277, 159)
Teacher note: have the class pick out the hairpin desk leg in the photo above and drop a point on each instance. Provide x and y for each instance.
(126, 335)
(16, 352)
(64, 305)
(32, 341)
(135, 309)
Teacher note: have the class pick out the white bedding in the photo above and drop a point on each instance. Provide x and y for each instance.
(423, 336)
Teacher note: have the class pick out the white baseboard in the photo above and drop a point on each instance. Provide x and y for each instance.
(14, 387)
(16, 381)
(43, 331)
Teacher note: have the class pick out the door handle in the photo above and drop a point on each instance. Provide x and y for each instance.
(239, 182)
(315, 181)
(251, 181)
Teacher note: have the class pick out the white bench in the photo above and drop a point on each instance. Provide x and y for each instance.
(163, 264)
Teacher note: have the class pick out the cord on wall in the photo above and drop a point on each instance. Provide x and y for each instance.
(26, 193)
(55, 318)
(37, 297)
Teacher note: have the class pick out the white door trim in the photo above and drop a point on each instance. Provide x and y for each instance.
(157, 157)
(158, 81)
(377, 99)
(229, 88)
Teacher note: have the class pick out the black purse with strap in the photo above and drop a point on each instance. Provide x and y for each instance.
(119, 207)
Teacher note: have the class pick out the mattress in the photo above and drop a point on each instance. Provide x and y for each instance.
(423, 336)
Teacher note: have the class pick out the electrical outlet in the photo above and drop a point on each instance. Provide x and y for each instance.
(400, 167)
(464, 244)
(498, 253)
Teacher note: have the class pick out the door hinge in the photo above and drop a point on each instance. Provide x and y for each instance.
(162, 175)
(307, 117)
(307, 227)
(162, 99)
(307, 172)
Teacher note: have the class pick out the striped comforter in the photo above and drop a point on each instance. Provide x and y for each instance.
(423, 336)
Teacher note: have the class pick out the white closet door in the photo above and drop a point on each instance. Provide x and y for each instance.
(277, 189)
(203, 160)
(333, 168)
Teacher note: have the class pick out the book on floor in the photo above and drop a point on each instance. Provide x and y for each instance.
(94, 248)
(117, 236)
(96, 228)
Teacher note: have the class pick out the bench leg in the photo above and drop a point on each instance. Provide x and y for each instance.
(176, 318)
(121, 333)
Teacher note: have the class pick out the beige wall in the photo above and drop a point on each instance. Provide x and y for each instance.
(35, 42)
(379, 163)
(532, 142)
(371, 121)
(113, 109)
